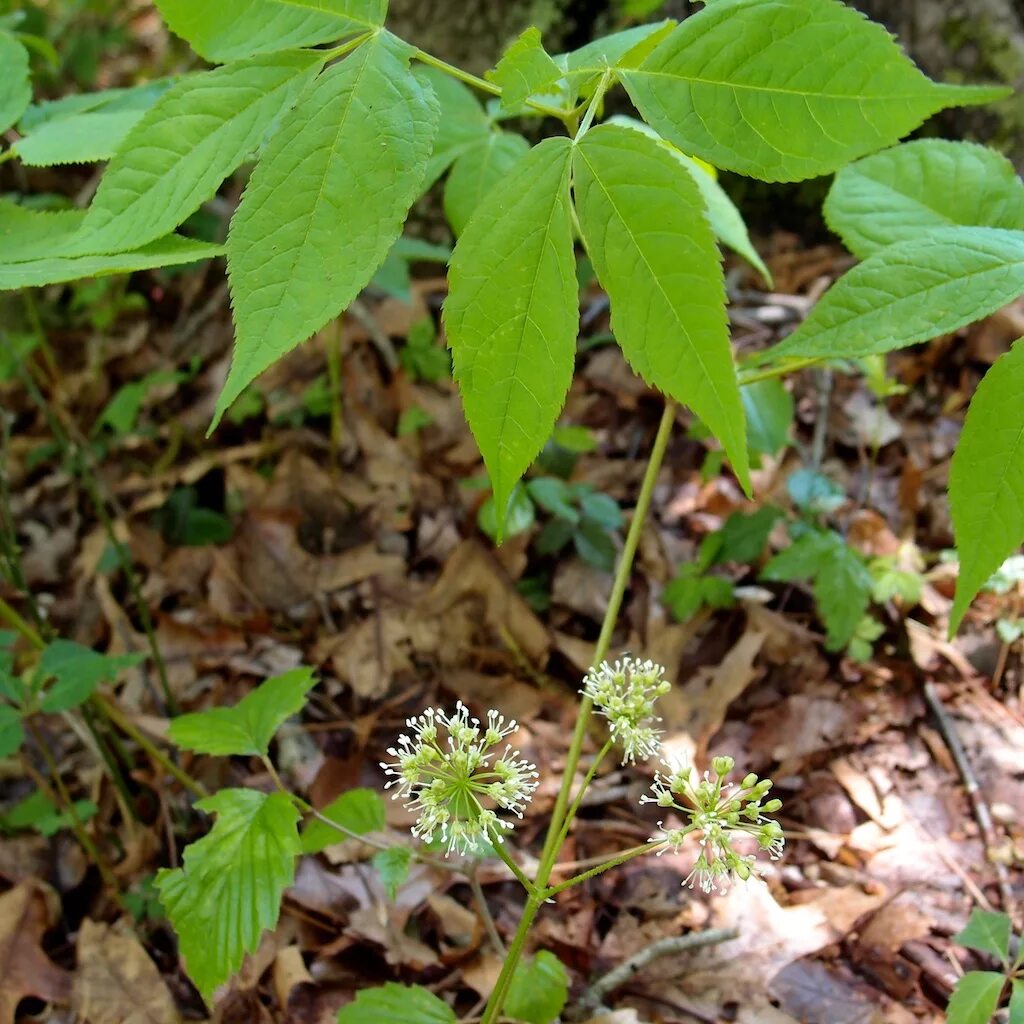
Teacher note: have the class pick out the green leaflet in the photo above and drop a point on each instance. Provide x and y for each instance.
(477, 171)
(770, 412)
(357, 810)
(785, 89)
(229, 890)
(919, 186)
(910, 292)
(463, 123)
(83, 128)
(986, 478)
(988, 932)
(249, 726)
(975, 998)
(32, 234)
(164, 252)
(361, 14)
(512, 315)
(539, 989)
(643, 222)
(609, 51)
(524, 69)
(196, 135)
(229, 29)
(325, 204)
(15, 88)
(75, 672)
(841, 581)
(726, 221)
(396, 1004)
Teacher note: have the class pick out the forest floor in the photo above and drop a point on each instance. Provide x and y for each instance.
(344, 535)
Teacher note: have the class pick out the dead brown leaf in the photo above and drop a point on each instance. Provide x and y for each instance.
(27, 912)
(116, 981)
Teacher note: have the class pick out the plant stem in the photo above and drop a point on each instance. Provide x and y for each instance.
(552, 844)
(483, 85)
(614, 862)
(13, 619)
(587, 779)
(110, 709)
(779, 370)
(622, 576)
(588, 118)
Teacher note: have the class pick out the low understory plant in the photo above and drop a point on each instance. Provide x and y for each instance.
(345, 126)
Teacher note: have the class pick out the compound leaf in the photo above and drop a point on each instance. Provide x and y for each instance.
(230, 29)
(643, 221)
(15, 88)
(396, 1004)
(229, 890)
(920, 186)
(164, 252)
(525, 68)
(477, 171)
(975, 998)
(910, 292)
(539, 989)
(325, 204)
(512, 314)
(195, 136)
(988, 932)
(249, 726)
(986, 479)
(784, 90)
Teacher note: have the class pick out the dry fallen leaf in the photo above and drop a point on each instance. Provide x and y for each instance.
(27, 912)
(116, 981)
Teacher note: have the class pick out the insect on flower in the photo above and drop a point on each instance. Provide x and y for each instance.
(717, 813)
(453, 776)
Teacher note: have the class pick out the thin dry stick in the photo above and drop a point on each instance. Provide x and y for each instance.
(978, 802)
(593, 998)
(485, 911)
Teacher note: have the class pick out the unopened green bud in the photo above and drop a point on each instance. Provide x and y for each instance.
(723, 765)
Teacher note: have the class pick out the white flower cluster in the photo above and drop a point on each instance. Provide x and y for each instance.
(454, 782)
(625, 694)
(717, 813)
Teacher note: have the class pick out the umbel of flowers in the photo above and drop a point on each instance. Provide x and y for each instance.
(457, 774)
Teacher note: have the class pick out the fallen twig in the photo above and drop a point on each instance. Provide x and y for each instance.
(978, 802)
(593, 998)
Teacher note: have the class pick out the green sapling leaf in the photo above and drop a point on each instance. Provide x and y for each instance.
(539, 989)
(987, 932)
(784, 90)
(975, 998)
(919, 186)
(986, 478)
(15, 87)
(525, 68)
(176, 157)
(249, 726)
(643, 222)
(229, 890)
(346, 163)
(910, 292)
(512, 314)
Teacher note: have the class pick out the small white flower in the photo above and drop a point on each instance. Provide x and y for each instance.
(625, 694)
(447, 779)
(716, 813)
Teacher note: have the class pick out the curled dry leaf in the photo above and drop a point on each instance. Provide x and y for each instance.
(116, 981)
(27, 912)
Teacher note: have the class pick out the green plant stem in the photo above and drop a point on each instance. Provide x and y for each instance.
(614, 862)
(483, 85)
(62, 798)
(110, 710)
(780, 370)
(595, 101)
(587, 779)
(16, 622)
(347, 47)
(552, 844)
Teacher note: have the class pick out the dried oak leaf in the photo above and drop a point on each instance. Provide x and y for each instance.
(27, 912)
(116, 981)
